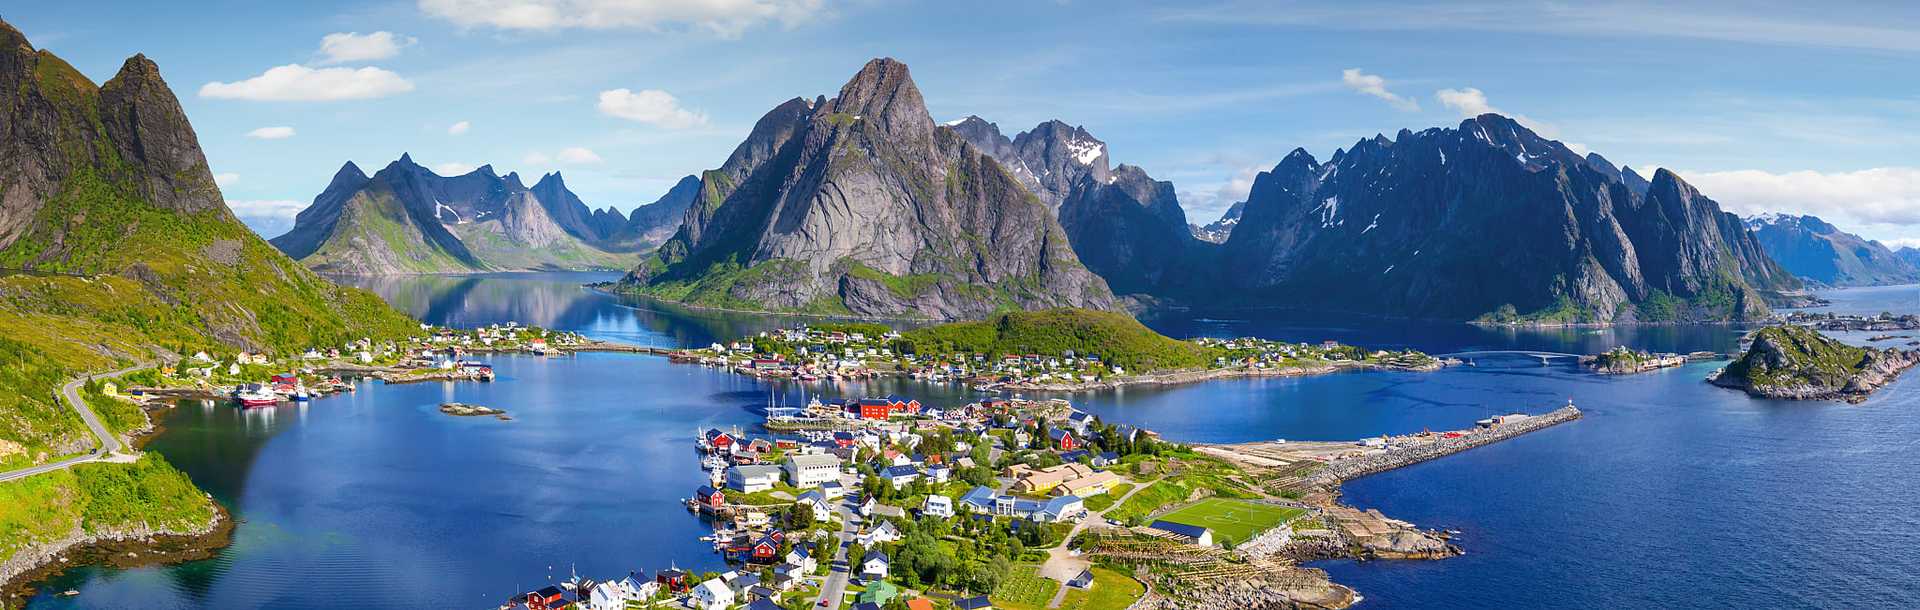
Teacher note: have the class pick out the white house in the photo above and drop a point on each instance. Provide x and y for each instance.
(938, 506)
(712, 595)
(638, 588)
(883, 533)
(874, 567)
(833, 489)
(809, 470)
(607, 596)
(753, 478)
(822, 511)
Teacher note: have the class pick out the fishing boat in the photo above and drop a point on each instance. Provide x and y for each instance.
(254, 395)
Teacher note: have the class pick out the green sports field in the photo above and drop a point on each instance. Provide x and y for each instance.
(1233, 521)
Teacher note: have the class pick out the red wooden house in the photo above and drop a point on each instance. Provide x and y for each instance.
(720, 441)
(710, 497)
(672, 580)
(1063, 439)
(875, 408)
(546, 599)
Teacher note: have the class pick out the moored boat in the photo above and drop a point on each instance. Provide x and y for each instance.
(254, 395)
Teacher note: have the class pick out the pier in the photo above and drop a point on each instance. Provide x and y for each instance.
(1325, 464)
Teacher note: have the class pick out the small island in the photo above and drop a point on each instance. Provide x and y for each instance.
(1622, 361)
(1798, 363)
(1059, 350)
(461, 409)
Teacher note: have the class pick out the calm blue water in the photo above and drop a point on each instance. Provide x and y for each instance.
(1669, 493)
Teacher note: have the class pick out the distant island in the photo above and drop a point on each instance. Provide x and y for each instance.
(1059, 350)
(1623, 360)
(1798, 363)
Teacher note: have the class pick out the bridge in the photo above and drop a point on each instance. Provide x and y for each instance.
(1545, 357)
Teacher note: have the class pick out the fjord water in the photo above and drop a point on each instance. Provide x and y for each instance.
(1669, 493)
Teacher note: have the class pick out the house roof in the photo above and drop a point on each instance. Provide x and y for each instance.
(1058, 433)
(1190, 531)
(973, 603)
(880, 556)
(763, 604)
(900, 471)
(705, 491)
(981, 496)
(1083, 580)
(757, 470)
(814, 460)
(811, 494)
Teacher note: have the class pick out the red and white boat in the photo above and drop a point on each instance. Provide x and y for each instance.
(253, 395)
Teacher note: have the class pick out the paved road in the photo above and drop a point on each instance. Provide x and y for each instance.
(1061, 564)
(835, 588)
(109, 444)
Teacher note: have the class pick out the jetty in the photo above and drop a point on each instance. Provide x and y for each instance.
(1325, 464)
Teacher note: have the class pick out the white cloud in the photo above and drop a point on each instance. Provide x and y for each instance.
(271, 133)
(1471, 102)
(267, 217)
(577, 156)
(1376, 86)
(572, 155)
(651, 106)
(226, 179)
(297, 83)
(458, 128)
(725, 18)
(1851, 200)
(343, 47)
(453, 168)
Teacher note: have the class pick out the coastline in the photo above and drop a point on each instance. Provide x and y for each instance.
(1181, 377)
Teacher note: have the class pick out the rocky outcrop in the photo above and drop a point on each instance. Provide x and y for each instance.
(861, 205)
(407, 219)
(1490, 220)
(1819, 252)
(1797, 363)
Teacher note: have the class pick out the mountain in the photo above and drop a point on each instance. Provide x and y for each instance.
(1909, 254)
(650, 225)
(1049, 159)
(1123, 225)
(1219, 230)
(107, 199)
(1810, 248)
(1131, 231)
(1490, 221)
(862, 205)
(407, 219)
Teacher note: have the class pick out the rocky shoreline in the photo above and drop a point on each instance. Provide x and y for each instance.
(121, 548)
(1880, 368)
(1353, 468)
(460, 409)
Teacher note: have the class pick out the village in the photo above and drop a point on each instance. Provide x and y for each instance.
(838, 352)
(253, 380)
(1022, 504)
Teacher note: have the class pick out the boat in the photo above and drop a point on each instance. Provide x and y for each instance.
(253, 395)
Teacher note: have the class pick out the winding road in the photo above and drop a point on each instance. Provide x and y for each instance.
(110, 447)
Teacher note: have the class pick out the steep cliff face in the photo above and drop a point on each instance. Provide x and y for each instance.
(406, 219)
(1131, 231)
(1219, 230)
(1049, 160)
(1491, 219)
(863, 205)
(1819, 252)
(650, 225)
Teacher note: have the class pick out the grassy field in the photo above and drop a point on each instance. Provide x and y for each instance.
(1111, 591)
(1024, 589)
(1101, 502)
(1233, 521)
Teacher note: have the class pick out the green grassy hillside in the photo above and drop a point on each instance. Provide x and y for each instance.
(1117, 338)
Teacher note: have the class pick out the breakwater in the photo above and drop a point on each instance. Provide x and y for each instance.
(1397, 457)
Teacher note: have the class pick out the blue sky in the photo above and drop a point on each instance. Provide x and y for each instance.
(1766, 106)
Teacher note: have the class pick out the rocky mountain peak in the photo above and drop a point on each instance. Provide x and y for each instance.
(883, 93)
(348, 174)
(145, 122)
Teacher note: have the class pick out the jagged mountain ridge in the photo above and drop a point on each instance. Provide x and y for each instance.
(1820, 252)
(1219, 230)
(861, 205)
(652, 224)
(407, 219)
(1490, 219)
(1050, 159)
